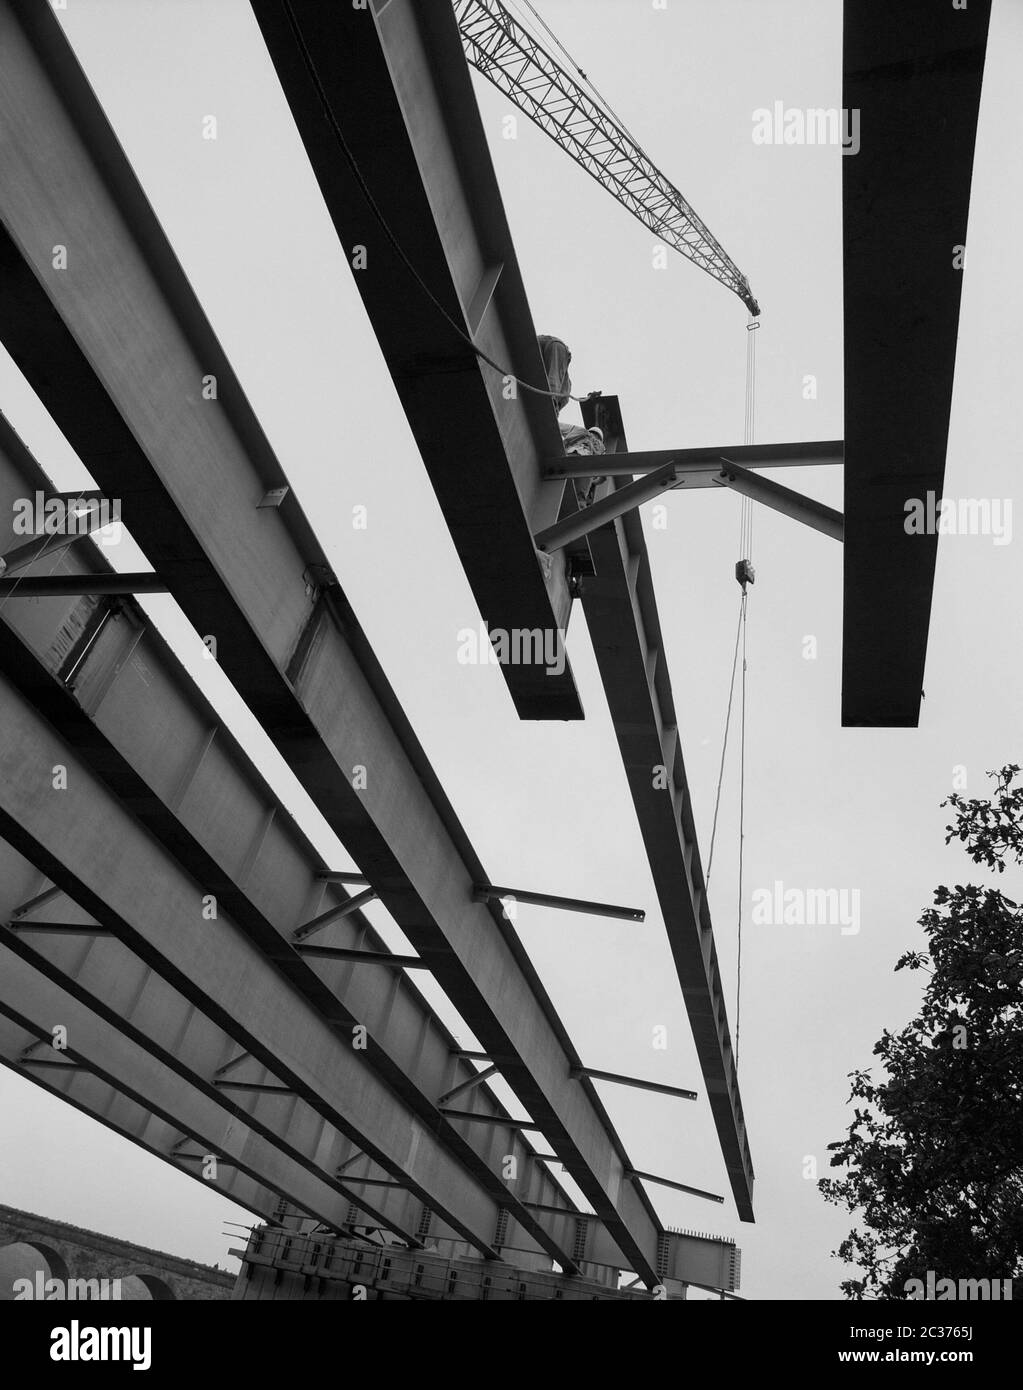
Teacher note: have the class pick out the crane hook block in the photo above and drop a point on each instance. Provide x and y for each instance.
(745, 573)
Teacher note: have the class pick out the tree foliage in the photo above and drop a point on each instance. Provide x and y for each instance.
(934, 1153)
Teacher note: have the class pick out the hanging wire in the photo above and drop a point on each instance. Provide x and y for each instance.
(745, 553)
(724, 748)
(749, 430)
(742, 830)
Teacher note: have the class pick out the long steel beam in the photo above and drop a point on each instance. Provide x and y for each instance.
(383, 101)
(116, 346)
(155, 741)
(150, 1094)
(912, 79)
(85, 841)
(621, 614)
(133, 1066)
(139, 1062)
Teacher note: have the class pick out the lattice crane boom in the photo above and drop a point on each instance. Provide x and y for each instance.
(509, 57)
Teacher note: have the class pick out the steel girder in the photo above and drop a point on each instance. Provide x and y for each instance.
(383, 102)
(621, 614)
(144, 728)
(117, 346)
(88, 843)
(912, 73)
(156, 1102)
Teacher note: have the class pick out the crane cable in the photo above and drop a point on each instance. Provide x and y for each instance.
(747, 553)
(744, 578)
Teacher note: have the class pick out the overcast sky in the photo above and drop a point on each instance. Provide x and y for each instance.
(547, 805)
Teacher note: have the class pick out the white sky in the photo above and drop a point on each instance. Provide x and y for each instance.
(548, 805)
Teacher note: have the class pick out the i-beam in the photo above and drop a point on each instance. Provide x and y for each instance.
(677, 1091)
(671, 475)
(60, 928)
(697, 467)
(489, 892)
(781, 499)
(469, 1085)
(501, 1121)
(334, 914)
(637, 1176)
(363, 957)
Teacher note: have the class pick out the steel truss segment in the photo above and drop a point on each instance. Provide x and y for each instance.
(128, 325)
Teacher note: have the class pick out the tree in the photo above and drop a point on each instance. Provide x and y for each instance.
(934, 1154)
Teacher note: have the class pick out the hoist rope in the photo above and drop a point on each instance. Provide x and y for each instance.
(724, 747)
(745, 553)
(742, 833)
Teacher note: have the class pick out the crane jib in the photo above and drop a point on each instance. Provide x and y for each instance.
(506, 54)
